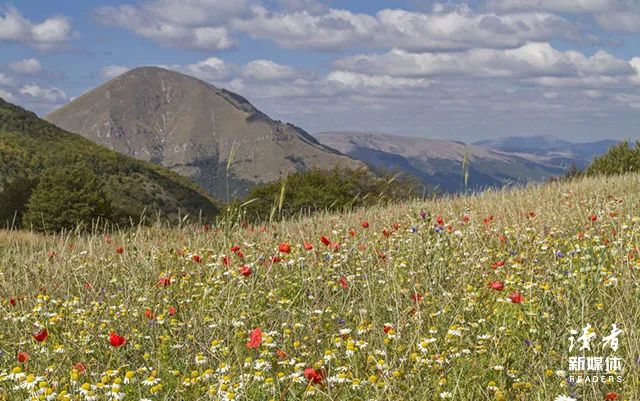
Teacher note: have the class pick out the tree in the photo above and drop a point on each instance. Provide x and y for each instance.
(619, 159)
(14, 195)
(66, 198)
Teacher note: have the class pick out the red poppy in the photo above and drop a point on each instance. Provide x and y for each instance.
(395, 226)
(387, 328)
(440, 220)
(120, 250)
(531, 215)
(593, 217)
(314, 376)
(255, 339)
(343, 282)
(497, 264)
(276, 259)
(148, 314)
(116, 340)
(580, 235)
(352, 232)
(335, 246)
(80, 367)
(12, 302)
(226, 261)
(196, 258)
(235, 248)
(41, 335)
(465, 218)
(240, 254)
(611, 396)
(285, 248)
(246, 271)
(172, 310)
(516, 297)
(23, 357)
(325, 240)
(365, 224)
(164, 281)
(496, 285)
(417, 297)
(386, 232)
(307, 245)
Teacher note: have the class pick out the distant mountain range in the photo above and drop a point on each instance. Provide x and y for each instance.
(549, 149)
(212, 136)
(490, 163)
(29, 146)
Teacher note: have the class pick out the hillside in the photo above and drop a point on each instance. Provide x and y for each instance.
(549, 149)
(439, 162)
(469, 298)
(195, 129)
(29, 145)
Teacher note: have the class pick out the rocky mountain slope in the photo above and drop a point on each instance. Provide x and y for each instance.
(439, 162)
(210, 135)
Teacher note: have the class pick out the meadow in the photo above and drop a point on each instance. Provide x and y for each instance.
(485, 297)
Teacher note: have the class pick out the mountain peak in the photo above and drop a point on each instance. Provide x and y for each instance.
(195, 129)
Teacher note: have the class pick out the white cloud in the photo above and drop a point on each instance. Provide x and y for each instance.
(456, 29)
(464, 29)
(5, 80)
(6, 95)
(620, 21)
(212, 69)
(267, 70)
(570, 6)
(335, 29)
(308, 25)
(165, 32)
(52, 33)
(29, 66)
(41, 94)
(369, 83)
(531, 60)
(113, 71)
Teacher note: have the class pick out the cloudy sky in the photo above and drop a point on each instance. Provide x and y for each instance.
(463, 70)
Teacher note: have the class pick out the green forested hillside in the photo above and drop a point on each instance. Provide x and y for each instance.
(31, 147)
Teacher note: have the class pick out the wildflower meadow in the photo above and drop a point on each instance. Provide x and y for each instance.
(521, 294)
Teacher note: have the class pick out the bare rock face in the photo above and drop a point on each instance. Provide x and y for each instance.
(210, 135)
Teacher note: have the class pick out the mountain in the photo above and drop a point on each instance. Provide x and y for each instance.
(29, 146)
(195, 129)
(549, 149)
(440, 162)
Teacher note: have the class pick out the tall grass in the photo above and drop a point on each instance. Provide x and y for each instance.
(398, 309)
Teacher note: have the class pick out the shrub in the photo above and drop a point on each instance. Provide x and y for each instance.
(66, 198)
(322, 190)
(619, 159)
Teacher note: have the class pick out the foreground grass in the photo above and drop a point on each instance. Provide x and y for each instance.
(399, 309)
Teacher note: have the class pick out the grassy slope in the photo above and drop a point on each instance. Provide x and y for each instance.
(484, 347)
(29, 144)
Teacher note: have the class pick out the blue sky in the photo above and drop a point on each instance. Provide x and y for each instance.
(464, 70)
